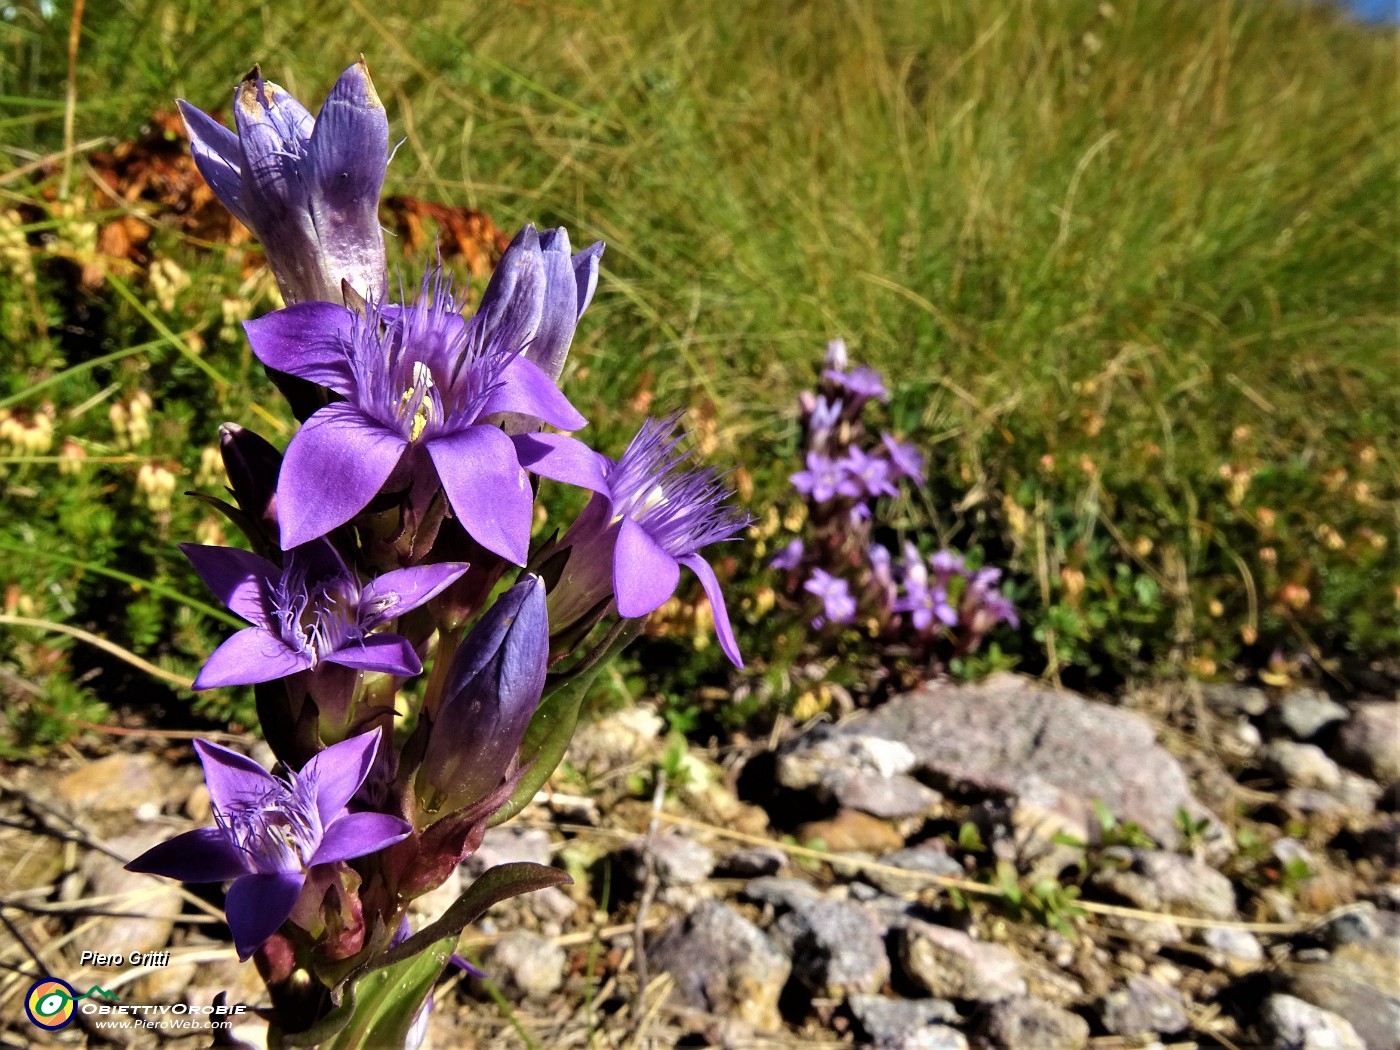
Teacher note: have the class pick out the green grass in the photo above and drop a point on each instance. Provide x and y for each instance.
(1102, 250)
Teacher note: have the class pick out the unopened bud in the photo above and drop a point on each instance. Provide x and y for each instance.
(490, 694)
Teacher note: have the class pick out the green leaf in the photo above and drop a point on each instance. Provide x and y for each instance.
(495, 884)
(379, 1008)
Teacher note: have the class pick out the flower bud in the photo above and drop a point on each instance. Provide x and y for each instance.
(490, 694)
(307, 188)
(252, 465)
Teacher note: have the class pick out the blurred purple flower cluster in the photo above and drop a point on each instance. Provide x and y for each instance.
(933, 606)
(393, 535)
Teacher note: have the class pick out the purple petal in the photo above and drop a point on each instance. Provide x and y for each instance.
(256, 905)
(644, 575)
(356, 834)
(525, 389)
(309, 339)
(725, 633)
(251, 656)
(273, 128)
(562, 458)
(216, 155)
(560, 312)
(403, 590)
(347, 158)
(386, 653)
(336, 773)
(203, 855)
(335, 465)
(238, 578)
(487, 489)
(586, 273)
(462, 964)
(231, 778)
(513, 299)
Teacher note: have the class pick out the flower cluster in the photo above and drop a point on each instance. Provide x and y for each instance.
(844, 566)
(394, 532)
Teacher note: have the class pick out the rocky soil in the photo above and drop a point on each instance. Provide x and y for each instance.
(995, 866)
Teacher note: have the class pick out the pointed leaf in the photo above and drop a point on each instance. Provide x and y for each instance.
(380, 1008)
(495, 885)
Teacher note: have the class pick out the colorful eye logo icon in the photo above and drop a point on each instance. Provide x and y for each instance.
(49, 1003)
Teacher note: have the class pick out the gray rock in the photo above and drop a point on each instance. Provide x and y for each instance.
(1026, 1023)
(928, 860)
(751, 862)
(1357, 923)
(1236, 951)
(1010, 737)
(1306, 712)
(1144, 1007)
(854, 771)
(948, 964)
(808, 761)
(1382, 842)
(1370, 741)
(1302, 765)
(888, 798)
(153, 903)
(1293, 1024)
(1312, 802)
(1230, 700)
(616, 740)
(929, 1037)
(525, 965)
(117, 784)
(837, 947)
(887, 1021)
(1360, 982)
(782, 893)
(1170, 882)
(723, 964)
(678, 859)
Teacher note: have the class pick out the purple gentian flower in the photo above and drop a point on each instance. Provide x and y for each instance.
(908, 461)
(310, 612)
(822, 420)
(493, 686)
(824, 479)
(871, 473)
(652, 515)
(308, 189)
(863, 383)
(422, 388)
(837, 604)
(882, 575)
(982, 607)
(923, 602)
(945, 565)
(269, 832)
(790, 557)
